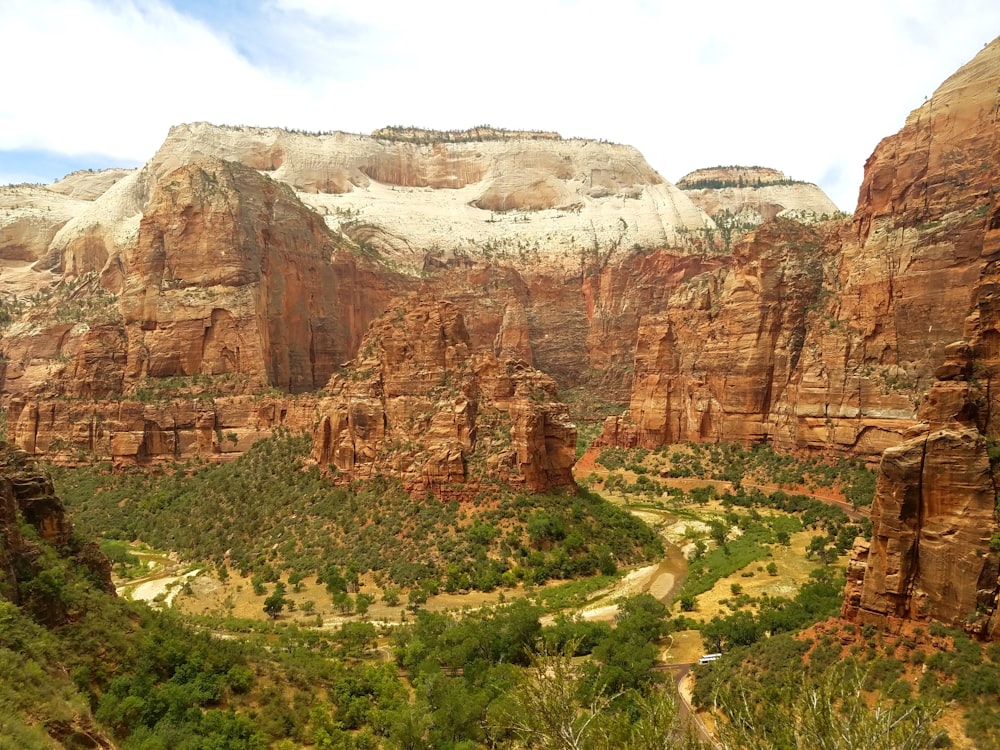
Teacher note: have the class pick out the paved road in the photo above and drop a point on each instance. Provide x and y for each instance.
(684, 709)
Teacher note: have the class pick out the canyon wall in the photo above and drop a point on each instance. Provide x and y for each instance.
(929, 199)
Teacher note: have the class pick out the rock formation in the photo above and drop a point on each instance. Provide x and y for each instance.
(27, 495)
(741, 198)
(755, 194)
(520, 199)
(886, 295)
(420, 404)
(929, 198)
(935, 541)
(177, 291)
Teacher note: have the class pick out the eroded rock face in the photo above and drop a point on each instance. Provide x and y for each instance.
(933, 520)
(26, 494)
(929, 197)
(718, 361)
(30, 216)
(740, 198)
(232, 275)
(520, 199)
(420, 404)
(861, 337)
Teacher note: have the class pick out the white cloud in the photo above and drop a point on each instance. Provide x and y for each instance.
(778, 83)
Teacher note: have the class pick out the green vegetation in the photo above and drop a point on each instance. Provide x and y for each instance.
(739, 182)
(71, 648)
(730, 555)
(825, 708)
(815, 601)
(73, 653)
(272, 516)
(493, 677)
(893, 675)
(79, 299)
(759, 464)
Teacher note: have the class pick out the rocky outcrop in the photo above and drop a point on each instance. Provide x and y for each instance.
(30, 217)
(928, 200)
(521, 199)
(30, 580)
(914, 272)
(230, 276)
(88, 184)
(741, 198)
(718, 362)
(420, 404)
(172, 424)
(27, 495)
(934, 550)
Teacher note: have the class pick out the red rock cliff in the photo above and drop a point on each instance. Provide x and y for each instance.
(420, 404)
(929, 197)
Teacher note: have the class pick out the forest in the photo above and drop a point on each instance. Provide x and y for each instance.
(525, 669)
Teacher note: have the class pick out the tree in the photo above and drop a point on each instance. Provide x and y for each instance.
(416, 598)
(817, 548)
(362, 602)
(545, 711)
(274, 603)
(335, 582)
(738, 629)
(118, 553)
(390, 596)
(828, 712)
(343, 602)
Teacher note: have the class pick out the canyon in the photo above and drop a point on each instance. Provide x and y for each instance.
(423, 303)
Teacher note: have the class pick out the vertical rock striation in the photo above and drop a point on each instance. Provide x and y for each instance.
(420, 404)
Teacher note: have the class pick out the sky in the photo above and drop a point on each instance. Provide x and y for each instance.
(808, 88)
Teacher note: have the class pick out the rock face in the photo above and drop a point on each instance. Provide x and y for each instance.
(30, 216)
(230, 276)
(767, 347)
(934, 549)
(929, 196)
(741, 198)
(520, 199)
(713, 365)
(419, 404)
(872, 305)
(26, 494)
(243, 258)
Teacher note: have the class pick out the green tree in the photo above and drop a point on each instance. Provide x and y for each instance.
(390, 596)
(118, 553)
(545, 711)
(828, 712)
(362, 602)
(274, 603)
